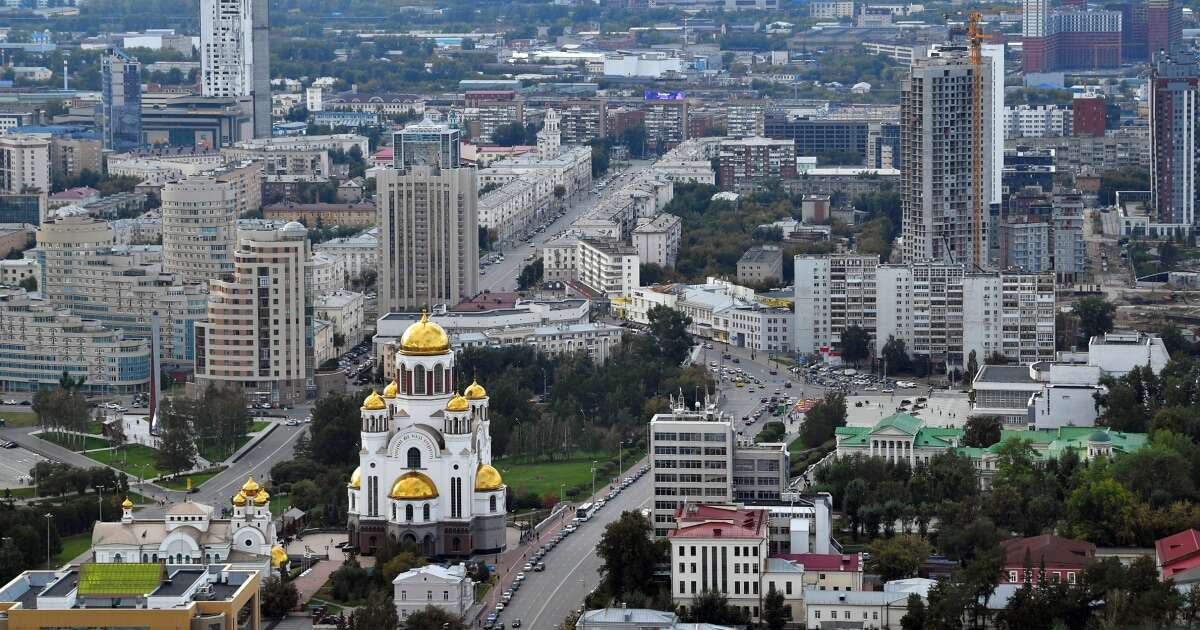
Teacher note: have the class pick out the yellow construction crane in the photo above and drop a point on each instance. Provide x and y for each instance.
(976, 38)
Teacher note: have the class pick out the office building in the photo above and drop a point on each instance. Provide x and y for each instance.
(26, 208)
(818, 136)
(1175, 138)
(946, 185)
(486, 111)
(197, 122)
(358, 252)
(259, 329)
(1070, 38)
(427, 143)
(235, 59)
(24, 164)
(41, 343)
(746, 163)
(198, 223)
(428, 236)
(1164, 27)
(697, 457)
(1134, 32)
(146, 595)
(120, 101)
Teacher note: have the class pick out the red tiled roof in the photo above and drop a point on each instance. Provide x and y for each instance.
(79, 192)
(1177, 546)
(719, 521)
(1048, 548)
(823, 561)
(384, 154)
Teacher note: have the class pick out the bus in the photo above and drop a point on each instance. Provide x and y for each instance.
(585, 512)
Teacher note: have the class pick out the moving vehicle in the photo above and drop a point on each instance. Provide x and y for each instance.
(584, 512)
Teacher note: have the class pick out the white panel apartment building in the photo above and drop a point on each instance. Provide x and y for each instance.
(607, 267)
(938, 310)
(657, 239)
(1042, 121)
(198, 219)
(24, 164)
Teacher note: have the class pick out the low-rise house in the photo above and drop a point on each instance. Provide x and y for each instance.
(1177, 553)
(1062, 559)
(447, 588)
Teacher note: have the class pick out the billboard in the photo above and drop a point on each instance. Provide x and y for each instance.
(655, 95)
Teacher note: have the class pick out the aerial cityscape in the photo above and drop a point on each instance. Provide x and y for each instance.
(599, 315)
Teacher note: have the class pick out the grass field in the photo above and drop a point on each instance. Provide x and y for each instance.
(18, 493)
(280, 504)
(198, 478)
(546, 477)
(217, 454)
(259, 425)
(72, 546)
(19, 418)
(73, 442)
(132, 461)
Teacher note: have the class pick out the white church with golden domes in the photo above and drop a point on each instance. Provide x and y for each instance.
(425, 473)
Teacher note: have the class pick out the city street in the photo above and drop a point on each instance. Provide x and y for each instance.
(572, 568)
(502, 276)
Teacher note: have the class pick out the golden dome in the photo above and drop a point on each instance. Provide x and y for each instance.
(487, 479)
(239, 499)
(374, 402)
(458, 403)
(413, 486)
(424, 338)
(391, 390)
(127, 503)
(279, 557)
(475, 391)
(251, 487)
(356, 479)
(262, 499)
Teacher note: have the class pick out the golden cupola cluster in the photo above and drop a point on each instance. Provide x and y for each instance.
(458, 403)
(413, 486)
(475, 391)
(424, 338)
(251, 492)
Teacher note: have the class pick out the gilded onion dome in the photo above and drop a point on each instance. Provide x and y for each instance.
(487, 478)
(356, 479)
(251, 487)
(458, 403)
(413, 486)
(127, 503)
(424, 338)
(374, 402)
(262, 498)
(239, 499)
(391, 390)
(475, 391)
(279, 557)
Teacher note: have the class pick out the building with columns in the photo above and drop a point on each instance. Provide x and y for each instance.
(425, 473)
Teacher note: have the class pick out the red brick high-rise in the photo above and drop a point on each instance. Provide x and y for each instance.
(1164, 26)
(1088, 115)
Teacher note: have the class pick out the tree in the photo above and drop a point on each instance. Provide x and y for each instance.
(898, 557)
(11, 559)
(1095, 316)
(1102, 512)
(895, 356)
(629, 556)
(822, 419)
(855, 344)
(914, 617)
(713, 607)
(773, 431)
(774, 610)
(379, 613)
(334, 430)
(982, 431)
(433, 618)
(278, 597)
(176, 448)
(531, 275)
(29, 284)
(972, 367)
(668, 328)
(509, 134)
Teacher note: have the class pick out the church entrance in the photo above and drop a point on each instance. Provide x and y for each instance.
(427, 546)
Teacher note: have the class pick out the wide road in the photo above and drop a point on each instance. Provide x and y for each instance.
(502, 276)
(739, 402)
(572, 568)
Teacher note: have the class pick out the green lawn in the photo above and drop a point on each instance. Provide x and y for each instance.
(131, 461)
(216, 453)
(179, 482)
(280, 504)
(74, 442)
(545, 477)
(19, 418)
(25, 492)
(259, 425)
(72, 546)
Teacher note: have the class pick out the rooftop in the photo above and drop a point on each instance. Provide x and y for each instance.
(487, 302)
(609, 247)
(813, 596)
(1004, 374)
(823, 561)
(719, 521)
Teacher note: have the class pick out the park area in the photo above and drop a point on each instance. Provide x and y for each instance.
(542, 477)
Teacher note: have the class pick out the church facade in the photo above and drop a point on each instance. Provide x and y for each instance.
(425, 473)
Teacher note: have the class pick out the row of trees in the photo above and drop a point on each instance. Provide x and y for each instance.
(213, 426)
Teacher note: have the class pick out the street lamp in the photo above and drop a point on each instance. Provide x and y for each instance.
(561, 487)
(593, 478)
(48, 516)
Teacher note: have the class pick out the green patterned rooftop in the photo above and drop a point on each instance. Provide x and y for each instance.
(119, 579)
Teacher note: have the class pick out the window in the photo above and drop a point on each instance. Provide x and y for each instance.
(403, 595)
(445, 596)
(816, 614)
(414, 457)
(429, 595)
(425, 512)
(1070, 577)
(408, 513)
(1012, 576)
(492, 503)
